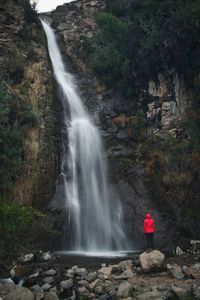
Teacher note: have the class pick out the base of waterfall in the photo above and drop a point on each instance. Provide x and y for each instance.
(46, 276)
(106, 254)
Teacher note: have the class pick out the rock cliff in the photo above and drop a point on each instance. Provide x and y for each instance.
(26, 75)
(163, 103)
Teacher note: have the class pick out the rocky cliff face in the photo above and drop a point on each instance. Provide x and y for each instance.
(118, 122)
(26, 74)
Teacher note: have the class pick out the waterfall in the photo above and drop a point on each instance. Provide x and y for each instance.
(94, 217)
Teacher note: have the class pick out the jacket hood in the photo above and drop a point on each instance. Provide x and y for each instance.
(148, 216)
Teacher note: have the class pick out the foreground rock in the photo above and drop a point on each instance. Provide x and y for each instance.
(53, 279)
(151, 261)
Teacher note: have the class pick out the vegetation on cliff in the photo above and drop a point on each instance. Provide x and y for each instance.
(135, 44)
(15, 223)
(18, 116)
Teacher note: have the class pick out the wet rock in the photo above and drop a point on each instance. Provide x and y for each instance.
(6, 288)
(38, 292)
(196, 290)
(124, 290)
(20, 293)
(106, 271)
(83, 291)
(179, 251)
(103, 297)
(109, 287)
(91, 276)
(182, 292)
(95, 283)
(196, 266)
(82, 272)
(116, 269)
(151, 260)
(100, 290)
(70, 273)
(51, 296)
(127, 274)
(67, 284)
(48, 279)
(84, 283)
(126, 264)
(101, 276)
(34, 275)
(27, 257)
(47, 256)
(53, 290)
(149, 296)
(45, 287)
(91, 296)
(175, 270)
(193, 271)
(50, 272)
(20, 271)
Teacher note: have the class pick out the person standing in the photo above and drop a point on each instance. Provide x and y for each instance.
(149, 229)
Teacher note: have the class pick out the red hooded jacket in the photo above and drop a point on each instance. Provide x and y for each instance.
(149, 226)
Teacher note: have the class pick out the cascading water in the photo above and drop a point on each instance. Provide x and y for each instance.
(94, 222)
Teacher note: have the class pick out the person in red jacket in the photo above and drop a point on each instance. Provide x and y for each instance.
(149, 229)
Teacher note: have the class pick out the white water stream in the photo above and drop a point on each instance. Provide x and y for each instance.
(94, 219)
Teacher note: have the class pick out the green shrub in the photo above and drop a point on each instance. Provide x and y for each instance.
(149, 37)
(15, 223)
(15, 117)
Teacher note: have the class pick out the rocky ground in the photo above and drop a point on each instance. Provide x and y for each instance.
(150, 275)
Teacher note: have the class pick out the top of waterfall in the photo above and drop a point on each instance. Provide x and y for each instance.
(46, 6)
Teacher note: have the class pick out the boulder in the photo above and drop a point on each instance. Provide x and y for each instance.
(27, 257)
(182, 292)
(34, 275)
(48, 279)
(20, 271)
(45, 287)
(38, 292)
(106, 271)
(82, 272)
(192, 271)
(127, 274)
(82, 292)
(20, 293)
(175, 270)
(47, 256)
(149, 296)
(100, 290)
(196, 290)
(151, 260)
(50, 272)
(91, 276)
(126, 264)
(51, 296)
(67, 284)
(95, 283)
(179, 251)
(70, 273)
(124, 290)
(116, 269)
(84, 283)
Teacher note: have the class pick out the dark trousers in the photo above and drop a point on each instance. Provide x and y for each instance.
(149, 240)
